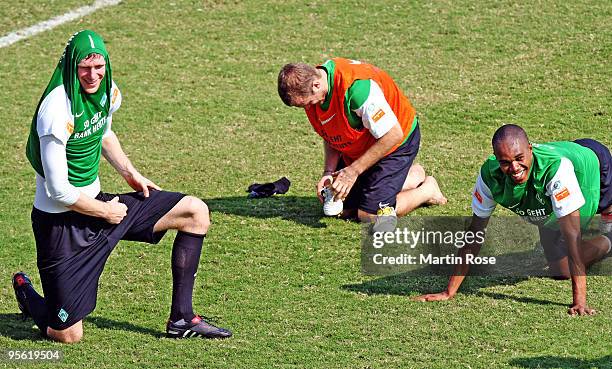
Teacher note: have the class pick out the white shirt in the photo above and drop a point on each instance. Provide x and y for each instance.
(54, 192)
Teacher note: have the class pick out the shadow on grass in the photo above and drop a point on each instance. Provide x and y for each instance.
(300, 209)
(13, 327)
(424, 280)
(407, 284)
(105, 323)
(544, 362)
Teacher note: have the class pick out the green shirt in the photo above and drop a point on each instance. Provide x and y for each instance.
(564, 177)
(86, 114)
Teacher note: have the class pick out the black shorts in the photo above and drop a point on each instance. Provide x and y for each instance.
(72, 250)
(380, 184)
(605, 171)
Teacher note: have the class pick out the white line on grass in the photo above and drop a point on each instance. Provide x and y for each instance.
(21, 34)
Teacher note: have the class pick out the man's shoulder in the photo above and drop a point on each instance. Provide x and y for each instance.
(54, 105)
(57, 98)
(54, 115)
(547, 159)
(358, 93)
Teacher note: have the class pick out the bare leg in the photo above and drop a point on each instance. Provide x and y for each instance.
(591, 251)
(428, 193)
(72, 334)
(188, 215)
(416, 176)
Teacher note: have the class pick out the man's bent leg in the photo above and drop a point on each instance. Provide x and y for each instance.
(416, 176)
(30, 302)
(190, 216)
(428, 193)
(594, 249)
(555, 251)
(591, 251)
(72, 334)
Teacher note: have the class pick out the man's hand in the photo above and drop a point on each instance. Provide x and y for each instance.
(442, 296)
(325, 180)
(344, 179)
(581, 309)
(139, 183)
(115, 211)
(112, 151)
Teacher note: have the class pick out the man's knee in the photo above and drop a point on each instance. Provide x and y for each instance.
(73, 334)
(416, 176)
(417, 171)
(198, 213)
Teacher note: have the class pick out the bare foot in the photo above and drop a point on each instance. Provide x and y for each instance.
(436, 198)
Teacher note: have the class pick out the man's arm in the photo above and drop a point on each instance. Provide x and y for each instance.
(461, 270)
(55, 167)
(570, 228)
(346, 177)
(566, 198)
(112, 211)
(112, 151)
(366, 100)
(331, 160)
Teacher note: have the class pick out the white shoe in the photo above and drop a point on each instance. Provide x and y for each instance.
(331, 207)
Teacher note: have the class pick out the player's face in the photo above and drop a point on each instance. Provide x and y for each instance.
(306, 101)
(318, 95)
(90, 72)
(515, 158)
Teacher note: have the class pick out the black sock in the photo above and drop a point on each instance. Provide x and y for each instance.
(35, 304)
(185, 260)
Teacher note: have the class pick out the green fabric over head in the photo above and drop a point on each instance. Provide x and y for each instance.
(79, 46)
(90, 111)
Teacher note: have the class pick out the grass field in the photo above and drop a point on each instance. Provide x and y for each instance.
(201, 115)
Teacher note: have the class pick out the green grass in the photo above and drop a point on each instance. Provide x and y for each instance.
(201, 115)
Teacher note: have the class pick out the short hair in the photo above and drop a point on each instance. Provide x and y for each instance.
(91, 56)
(295, 80)
(506, 132)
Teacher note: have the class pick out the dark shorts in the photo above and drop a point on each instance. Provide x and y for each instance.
(381, 183)
(605, 171)
(72, 250)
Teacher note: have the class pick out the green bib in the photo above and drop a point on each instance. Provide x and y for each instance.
(90, 111)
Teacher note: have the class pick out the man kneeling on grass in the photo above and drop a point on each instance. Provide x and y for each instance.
(371, 137)
(562, 185)
(76, 226)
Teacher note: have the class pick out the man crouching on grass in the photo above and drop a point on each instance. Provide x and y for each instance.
(371, 137)
(76, 226)
(559, 186)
